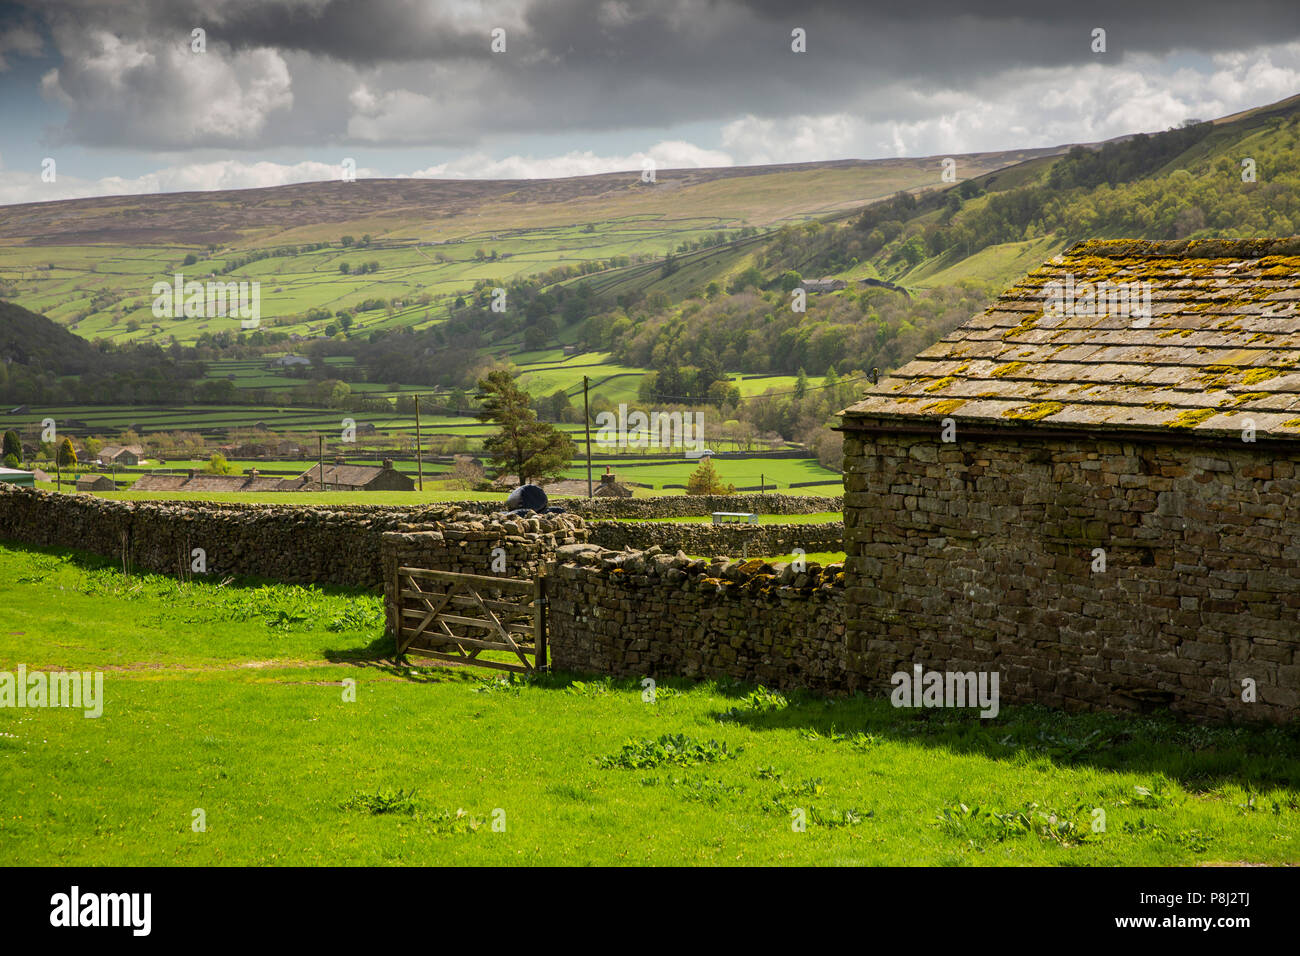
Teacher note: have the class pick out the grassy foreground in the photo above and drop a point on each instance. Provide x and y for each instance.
(230, 700)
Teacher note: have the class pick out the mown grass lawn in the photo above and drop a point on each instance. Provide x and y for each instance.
(230, 699)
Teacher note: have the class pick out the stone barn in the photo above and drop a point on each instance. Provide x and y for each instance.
(95, 483)
(1092, 488)
(341, 477)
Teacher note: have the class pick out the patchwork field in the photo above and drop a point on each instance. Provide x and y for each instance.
(226, 703)
(92, 264)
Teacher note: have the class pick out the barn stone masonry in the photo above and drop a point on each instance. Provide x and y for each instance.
(979, 555)
(658, 614)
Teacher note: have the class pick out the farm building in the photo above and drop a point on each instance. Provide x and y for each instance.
(121, 455)
(1093, 488)
(196, 481)
(823, 285)
(611, 487)
(357, 478)
(287, 361)
(95, 483)
(16, 476)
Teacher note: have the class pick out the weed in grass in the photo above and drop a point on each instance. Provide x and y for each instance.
(711, 792)
(593, 688)
(676, 749)
(1192, 840)
(510, 684)
(758, 701)
(383, 801)
(978, 826)
(1153, 797)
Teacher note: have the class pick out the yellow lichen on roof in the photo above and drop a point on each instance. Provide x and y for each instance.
(1009, 369)
(1032, 413)
(945, 408)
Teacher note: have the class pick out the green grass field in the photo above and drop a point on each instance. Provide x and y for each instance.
(229, 700)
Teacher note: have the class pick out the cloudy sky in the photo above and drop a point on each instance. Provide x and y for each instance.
(116, 94)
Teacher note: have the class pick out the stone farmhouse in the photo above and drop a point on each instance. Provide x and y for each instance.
(357, 478)
(127, 455)
(196, 481)
(337, 478)
(1094, 486)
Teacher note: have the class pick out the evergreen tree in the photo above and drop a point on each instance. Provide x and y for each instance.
(531, 450)
(67, 454)
(704, 480)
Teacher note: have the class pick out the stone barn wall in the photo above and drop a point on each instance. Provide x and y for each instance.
(650, 613)
(978, 555)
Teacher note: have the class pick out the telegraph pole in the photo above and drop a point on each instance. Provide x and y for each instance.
(320, 459)
(419, 459)
(586, 418)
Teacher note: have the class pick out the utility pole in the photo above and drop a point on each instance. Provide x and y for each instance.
(762, 483)
(419, 445)
(586, 418)
(320, 459)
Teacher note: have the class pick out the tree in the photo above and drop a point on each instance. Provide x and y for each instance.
(12, 445)
(217, 465)
(532, 450)
(67, 454)
(704, 480)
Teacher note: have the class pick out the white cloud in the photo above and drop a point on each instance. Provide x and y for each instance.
(669, 154)
(1069, 105)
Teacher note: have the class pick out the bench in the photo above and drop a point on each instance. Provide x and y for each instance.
(734, 517)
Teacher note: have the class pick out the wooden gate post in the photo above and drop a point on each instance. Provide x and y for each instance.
(539, 622)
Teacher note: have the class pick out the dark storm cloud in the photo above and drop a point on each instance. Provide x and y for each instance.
(591, 64)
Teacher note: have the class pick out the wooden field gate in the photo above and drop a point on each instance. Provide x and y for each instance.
(456, 617)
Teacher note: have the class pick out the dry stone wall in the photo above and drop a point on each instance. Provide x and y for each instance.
(983, 555)
(336, 545)
(734, 540)
(694, 506)
(658, 614)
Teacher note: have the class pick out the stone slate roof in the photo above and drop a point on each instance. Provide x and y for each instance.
(355, 475)
(1221, 345)
(213, 483)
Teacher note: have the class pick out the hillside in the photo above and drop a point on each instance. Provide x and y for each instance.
(91, 264)
(38, 344)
